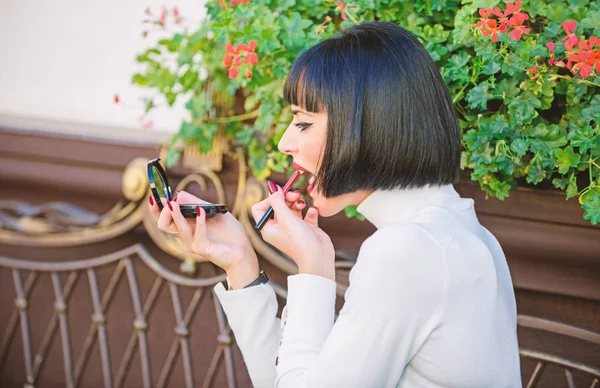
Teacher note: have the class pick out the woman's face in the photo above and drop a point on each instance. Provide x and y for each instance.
(304, 140)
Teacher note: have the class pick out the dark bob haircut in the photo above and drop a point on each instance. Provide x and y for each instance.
(391, 123)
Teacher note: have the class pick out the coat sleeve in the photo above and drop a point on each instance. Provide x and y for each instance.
(251, 313)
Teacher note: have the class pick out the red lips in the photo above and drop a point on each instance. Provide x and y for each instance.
(300, 168)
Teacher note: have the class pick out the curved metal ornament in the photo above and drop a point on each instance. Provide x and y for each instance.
(37, 228)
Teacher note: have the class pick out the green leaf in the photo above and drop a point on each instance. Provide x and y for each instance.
(172, 157)
(479, 96)
(351, 212)
(584, 138)
(565, 159)
(592, 20)
(535, 171)
(507, 88)
(572, 187)
(457, 67)
(519, 147)
(491, 68)
(523, 107)
(593, 111)
(590, 202)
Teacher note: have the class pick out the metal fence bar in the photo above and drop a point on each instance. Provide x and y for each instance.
(61, 307)
(21, 303)
(98, 322)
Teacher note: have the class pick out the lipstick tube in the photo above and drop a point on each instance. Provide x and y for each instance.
(263, 220)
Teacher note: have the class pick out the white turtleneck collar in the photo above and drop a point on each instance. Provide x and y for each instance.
(383, 207)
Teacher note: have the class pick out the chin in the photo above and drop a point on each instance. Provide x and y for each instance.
(326, 208)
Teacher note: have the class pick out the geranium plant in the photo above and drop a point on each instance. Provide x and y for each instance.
(524, 77)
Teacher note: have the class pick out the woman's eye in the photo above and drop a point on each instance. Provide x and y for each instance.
(302, 125)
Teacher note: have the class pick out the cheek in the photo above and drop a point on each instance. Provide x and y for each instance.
(311, 153)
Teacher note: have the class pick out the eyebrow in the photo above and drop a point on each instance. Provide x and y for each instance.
(296, 111)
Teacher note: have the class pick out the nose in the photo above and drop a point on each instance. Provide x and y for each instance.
(287, 143)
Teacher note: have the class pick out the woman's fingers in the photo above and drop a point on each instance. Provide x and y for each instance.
(312, 216)
(200, 241)
(165, 219)
(185, 230)
(282, 210)
(154, 209)
(292, 196)
(183, 197)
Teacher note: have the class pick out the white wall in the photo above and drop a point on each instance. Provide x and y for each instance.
(63, 60)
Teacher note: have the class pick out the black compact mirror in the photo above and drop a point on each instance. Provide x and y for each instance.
(159, 185)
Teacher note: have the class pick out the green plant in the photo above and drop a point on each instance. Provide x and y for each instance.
(528, 101)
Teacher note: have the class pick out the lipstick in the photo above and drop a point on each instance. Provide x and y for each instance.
(263, 220)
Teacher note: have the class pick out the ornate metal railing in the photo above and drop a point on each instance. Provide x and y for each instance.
(62, 225)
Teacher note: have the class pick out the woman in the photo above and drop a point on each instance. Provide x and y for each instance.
(430, 301)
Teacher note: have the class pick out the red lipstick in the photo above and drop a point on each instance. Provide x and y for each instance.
(263, 220)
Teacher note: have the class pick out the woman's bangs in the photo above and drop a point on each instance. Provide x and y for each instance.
(304, 84)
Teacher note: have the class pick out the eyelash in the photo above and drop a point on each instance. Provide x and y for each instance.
(302, 125)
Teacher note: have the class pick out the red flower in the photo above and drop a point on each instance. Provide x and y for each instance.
(233, 72)
(513, 8)
(503, 20)
(517, 22)
(484, 13)
(116, 99)
(233, 58)
(163, 15)
(569, 26)
(533, 69)
(492, 28)
(229, 48)
(343, 8)
(550, 46)
(571, 41)
(253, 58)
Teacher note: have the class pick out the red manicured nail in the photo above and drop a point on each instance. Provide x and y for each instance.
(198, 211)
(277, 187)
(272, 187)
(170, 206)
(151, 200)
(301, 202)
(175, 197)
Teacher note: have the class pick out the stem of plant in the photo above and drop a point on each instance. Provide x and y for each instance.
(459, 94)
(351, 17)
(582, 81)
(231, 119)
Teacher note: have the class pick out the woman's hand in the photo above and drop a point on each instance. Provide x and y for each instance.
(220, 239)
(300, 238)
